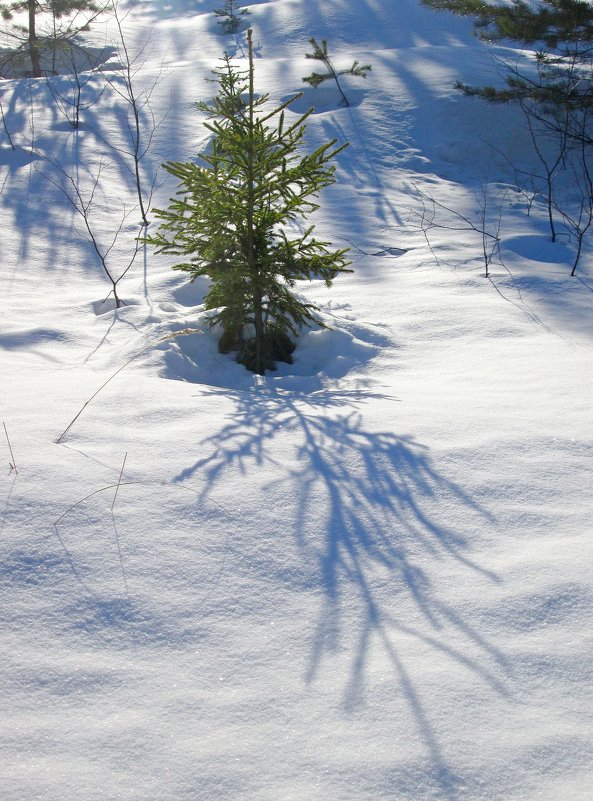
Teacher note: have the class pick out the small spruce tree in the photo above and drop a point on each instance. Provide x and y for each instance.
(230, 16)
(320, 53)
(233, 220)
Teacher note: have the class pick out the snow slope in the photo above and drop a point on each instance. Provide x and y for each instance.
(365, 576)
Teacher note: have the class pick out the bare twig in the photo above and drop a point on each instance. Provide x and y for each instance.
(121, 472)
(90, 495)
(13, 463)
(141, 131)
(94, 395)
(146, 483)
(490, 239)
(185, 332)
(387, 251)
(71, 106)
(83, 205)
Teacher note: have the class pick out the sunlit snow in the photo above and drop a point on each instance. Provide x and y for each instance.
(366, 576)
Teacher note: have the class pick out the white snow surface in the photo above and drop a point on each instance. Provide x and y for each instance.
(365, 576)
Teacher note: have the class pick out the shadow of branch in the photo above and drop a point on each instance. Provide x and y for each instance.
(371, 512)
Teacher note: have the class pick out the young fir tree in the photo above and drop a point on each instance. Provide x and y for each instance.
(320, 53)
(232, 219)
(230, 16)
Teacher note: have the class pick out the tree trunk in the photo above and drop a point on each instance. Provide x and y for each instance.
(33, 48)
(577, 258)
(251, 256)
(258, 320)
(344, 98)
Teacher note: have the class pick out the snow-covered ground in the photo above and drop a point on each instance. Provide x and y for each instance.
(363, 577)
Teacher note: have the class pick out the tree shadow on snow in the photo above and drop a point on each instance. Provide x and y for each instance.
(370, 522)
